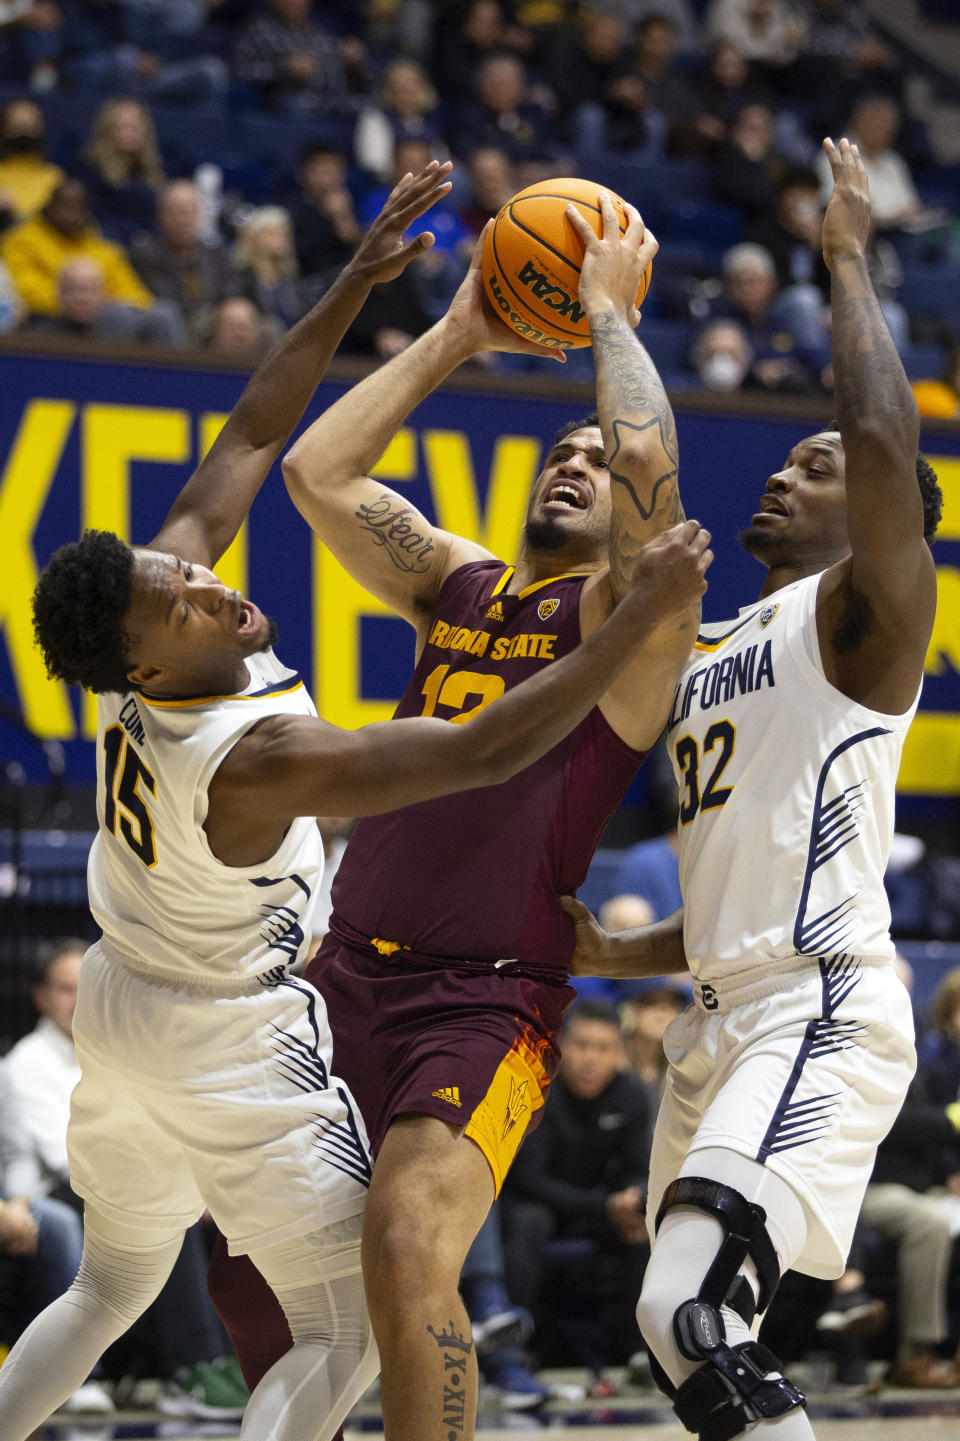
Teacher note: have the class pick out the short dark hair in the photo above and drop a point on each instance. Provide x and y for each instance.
(572, 425)
(592, 1008)
(49, 952)
(313, 148)
(798, 177)
(656, 17)
(79, 607)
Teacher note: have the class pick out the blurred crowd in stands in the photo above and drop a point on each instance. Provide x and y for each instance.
(194, 172)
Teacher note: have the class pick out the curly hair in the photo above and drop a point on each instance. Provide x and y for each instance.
(79, 607)
(932, 497)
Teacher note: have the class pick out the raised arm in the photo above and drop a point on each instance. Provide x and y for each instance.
(876, 611)
(383, 541)
(215, 500)
(287, 767)
(640, 441)
(635, 415)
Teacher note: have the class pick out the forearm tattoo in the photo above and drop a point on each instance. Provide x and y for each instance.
(390, 527)
(631, 397)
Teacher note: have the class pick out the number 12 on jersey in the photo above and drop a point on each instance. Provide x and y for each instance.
(722, 733)
(122, 800)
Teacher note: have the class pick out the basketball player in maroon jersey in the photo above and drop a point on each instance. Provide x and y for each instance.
(445, 966)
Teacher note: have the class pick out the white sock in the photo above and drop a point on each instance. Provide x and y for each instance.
(121, 1272)
(309, 1391)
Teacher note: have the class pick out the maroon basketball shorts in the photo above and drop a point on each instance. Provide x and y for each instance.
(466, 1041)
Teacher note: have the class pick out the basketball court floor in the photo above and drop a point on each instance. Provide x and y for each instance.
(837, 1414)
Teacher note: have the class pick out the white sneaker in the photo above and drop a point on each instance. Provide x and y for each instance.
(89, 1399)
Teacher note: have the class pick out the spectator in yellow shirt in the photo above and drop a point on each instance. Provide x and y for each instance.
(36, 251)
(27, 177)
(941, 398)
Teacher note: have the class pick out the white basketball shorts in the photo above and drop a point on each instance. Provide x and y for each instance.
(803, 1072)
(189, 1101)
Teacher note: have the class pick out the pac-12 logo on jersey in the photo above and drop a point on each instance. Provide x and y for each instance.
(768, 612)
(708, 997)
(546, 608)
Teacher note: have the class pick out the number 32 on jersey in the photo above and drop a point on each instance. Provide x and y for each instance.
(718, 743)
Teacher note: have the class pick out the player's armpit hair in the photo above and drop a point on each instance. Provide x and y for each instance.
(79, 606)
(855, 624)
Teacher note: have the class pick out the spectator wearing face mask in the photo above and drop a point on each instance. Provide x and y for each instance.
(722, 357)
(783, 329)
(27, 177)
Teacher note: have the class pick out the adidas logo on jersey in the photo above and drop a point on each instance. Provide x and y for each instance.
(450, 1094)
(495, 612)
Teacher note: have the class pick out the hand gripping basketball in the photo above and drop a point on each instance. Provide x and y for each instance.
(534, 252)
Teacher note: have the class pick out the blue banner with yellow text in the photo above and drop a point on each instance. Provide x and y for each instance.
(104, 444)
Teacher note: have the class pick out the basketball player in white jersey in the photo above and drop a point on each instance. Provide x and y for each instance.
(206, 1066)
(785, 734)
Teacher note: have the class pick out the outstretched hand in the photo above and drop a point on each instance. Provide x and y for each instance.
(846, 223)
(382, 253)
(613, 264)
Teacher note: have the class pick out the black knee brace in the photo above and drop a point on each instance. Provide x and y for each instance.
(730, 1389)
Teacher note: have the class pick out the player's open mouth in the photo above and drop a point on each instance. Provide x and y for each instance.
(572, 497)
(771, 505)
(249, 620)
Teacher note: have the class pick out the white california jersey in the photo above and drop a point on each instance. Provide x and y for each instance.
(786, 796)
(164, 902)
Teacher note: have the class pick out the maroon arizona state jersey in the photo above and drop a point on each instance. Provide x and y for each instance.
(477, 875)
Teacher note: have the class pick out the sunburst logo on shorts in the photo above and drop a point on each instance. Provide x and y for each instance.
(546, 608)
(768, 612)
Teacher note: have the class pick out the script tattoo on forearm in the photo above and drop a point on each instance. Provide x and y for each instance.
(389, 526)
(456, 1351)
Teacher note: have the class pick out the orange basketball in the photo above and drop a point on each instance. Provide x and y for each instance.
(532, 257)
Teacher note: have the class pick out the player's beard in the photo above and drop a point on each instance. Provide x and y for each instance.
(547, 534)
(759, 543)
(271, 638)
